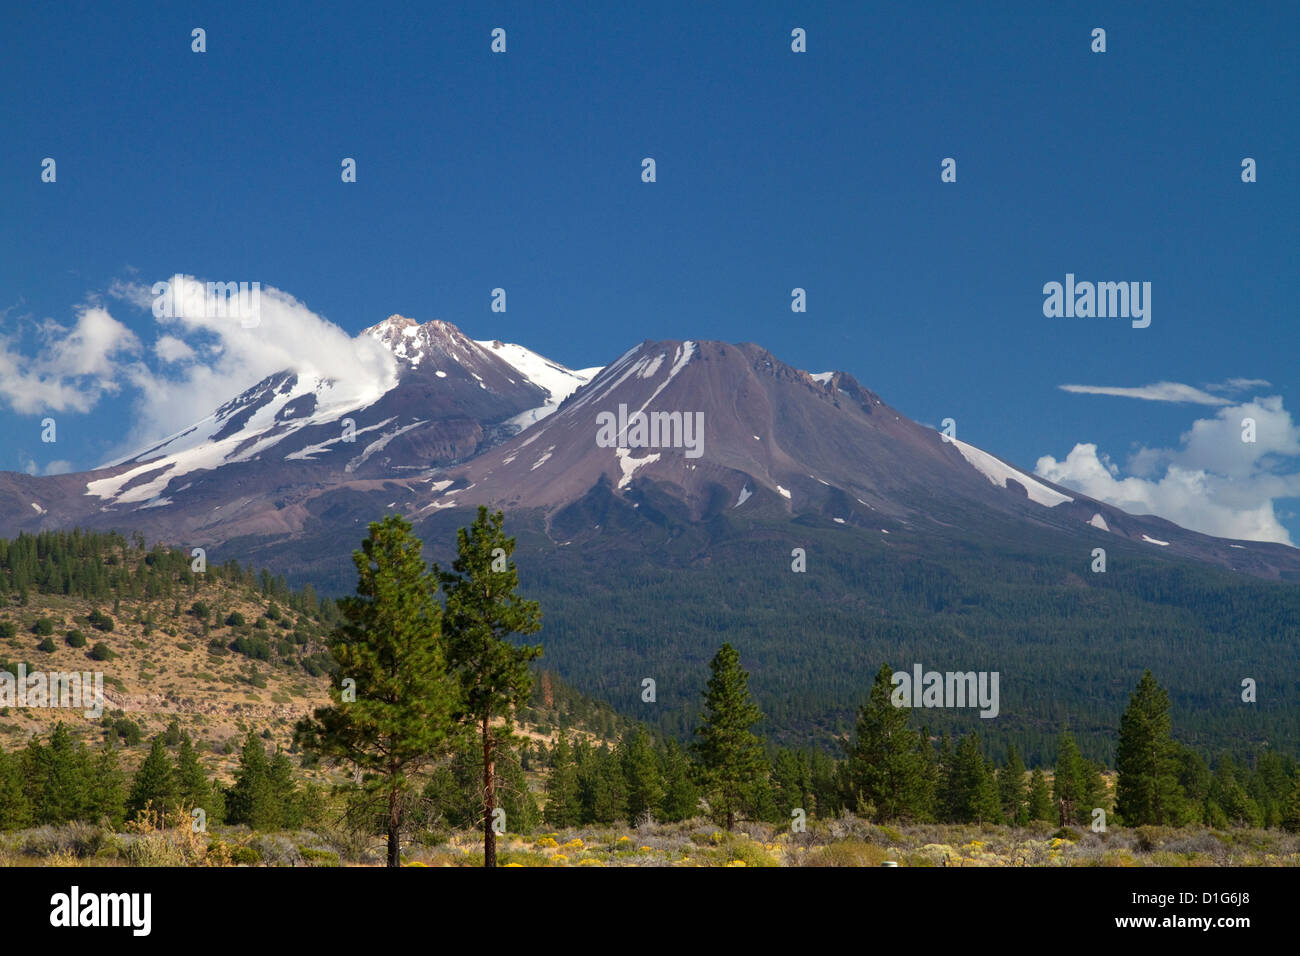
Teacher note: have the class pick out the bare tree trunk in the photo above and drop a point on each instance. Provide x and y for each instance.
(489, 798)
(394, 826)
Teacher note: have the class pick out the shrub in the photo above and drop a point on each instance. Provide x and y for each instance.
(235, 619)
(245, 856)
(47, 645)
(76, 639)
(7, 630)
(44, 627)
(99, 620)
(101, 652)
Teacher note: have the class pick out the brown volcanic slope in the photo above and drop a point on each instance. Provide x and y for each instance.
(778, 441)
(778, 444)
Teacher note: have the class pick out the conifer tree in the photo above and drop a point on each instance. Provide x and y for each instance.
(1291, 809)
(1011, 789)
(108, 791)
(1040, 797)
(975, 791)
(562, 805)
(251, 801)
(730, 755)
(15, 807)
(1147, 790)
(1067, 780)
(58, 778)
(885, 764)
(193, 788)
(153, 786)
(681, 798)
(640, 769)
(393, 697)
(482, 611)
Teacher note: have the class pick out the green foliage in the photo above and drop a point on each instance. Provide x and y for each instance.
(75, 638)
(154, 786)
(887, 765)
(100, 621)
(1040, 798)
(730, 755)
(482, 612)
(43, 627)
(1148, 789)
(393, 696)
(101, 652)
(562, 806)
(47, 645)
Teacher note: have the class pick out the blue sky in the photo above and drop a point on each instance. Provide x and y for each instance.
(775, 169)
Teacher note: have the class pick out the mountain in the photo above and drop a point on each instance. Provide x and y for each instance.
(777, 441)
(796, 515)
(249, 467)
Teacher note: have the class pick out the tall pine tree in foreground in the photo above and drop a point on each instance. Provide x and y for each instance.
(393, 696)
(482, 611)
(1148, 790)
(731, 756)
(887, 767)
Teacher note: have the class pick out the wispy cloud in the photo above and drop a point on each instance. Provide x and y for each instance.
(1158, 392)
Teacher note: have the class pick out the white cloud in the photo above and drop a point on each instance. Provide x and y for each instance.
(58, 467)
(170, 349)
(1212, 482)
(224, 358)
(1158, 392)
(1173, 391)
(74, 366)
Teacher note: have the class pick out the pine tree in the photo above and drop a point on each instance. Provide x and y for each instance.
(1011, 789)
(1147, 791)
(681, 798)
(791, 783)
(562, 805)
(393, 694)
(885, 762)
(1040, 798)
(1067, 780)
(730, 755)
(58, 778)
(641, 773)
(15, 808)
(153, 786)
(284, 792)
(975, 790)
(1291, 809)
(250, 801)
(482, 611)
(108, 792)
(193, 788)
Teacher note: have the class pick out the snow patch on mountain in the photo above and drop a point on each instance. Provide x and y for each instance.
(629, 465)
(1097, 521)
(999, 473)
(1150, 540)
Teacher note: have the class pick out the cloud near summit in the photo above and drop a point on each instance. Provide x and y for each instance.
(189, 364)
